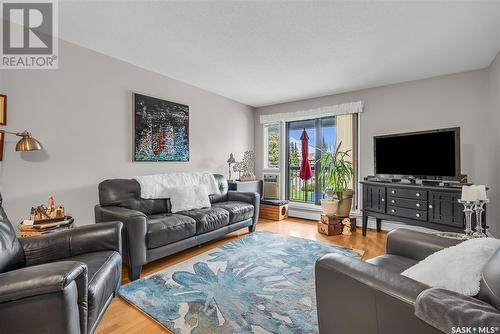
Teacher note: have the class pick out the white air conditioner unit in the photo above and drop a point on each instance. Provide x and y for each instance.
(271, 186)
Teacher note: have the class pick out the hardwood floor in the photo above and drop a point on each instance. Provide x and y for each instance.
(121, 317)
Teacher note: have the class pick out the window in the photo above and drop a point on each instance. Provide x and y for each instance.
(325, 134)
(271, 146)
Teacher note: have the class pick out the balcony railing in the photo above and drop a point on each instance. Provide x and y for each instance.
(300, 190)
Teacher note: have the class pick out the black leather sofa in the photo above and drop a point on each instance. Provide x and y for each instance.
(372, 297)
(151, 231)
(58, 283)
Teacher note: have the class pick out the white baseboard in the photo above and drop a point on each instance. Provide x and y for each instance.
(314, 214)
(299, 213)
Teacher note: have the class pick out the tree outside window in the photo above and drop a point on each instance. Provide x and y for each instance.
(272, 146)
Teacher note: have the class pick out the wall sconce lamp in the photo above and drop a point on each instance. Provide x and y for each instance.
(26, 143)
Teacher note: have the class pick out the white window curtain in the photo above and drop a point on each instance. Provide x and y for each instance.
(333, 110)
(345, 134)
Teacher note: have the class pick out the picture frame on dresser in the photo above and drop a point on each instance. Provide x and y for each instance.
(2, 136)
(3, 109)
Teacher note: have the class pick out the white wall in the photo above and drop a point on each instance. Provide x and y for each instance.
(494, 90)
(82, 114)
(454, 100)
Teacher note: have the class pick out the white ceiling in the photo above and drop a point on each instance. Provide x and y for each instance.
(262, 53)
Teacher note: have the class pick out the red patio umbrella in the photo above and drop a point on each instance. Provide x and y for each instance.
(305, 172)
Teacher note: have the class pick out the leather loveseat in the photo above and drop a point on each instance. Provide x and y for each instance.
(151, 231)
(356, 297)
(58, 283)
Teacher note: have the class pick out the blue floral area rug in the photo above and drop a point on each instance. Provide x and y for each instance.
(261, 283)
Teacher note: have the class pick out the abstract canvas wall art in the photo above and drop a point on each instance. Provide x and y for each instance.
(161, 130)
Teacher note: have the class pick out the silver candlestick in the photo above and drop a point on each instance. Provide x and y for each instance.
(479, 209)
(468, 210)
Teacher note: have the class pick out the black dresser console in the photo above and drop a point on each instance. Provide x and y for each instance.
(434, 207)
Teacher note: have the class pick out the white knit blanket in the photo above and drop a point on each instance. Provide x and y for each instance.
(186, 190)
(456, 268)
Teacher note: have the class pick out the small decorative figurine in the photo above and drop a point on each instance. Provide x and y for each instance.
(347, 226)
(50, 212)
(51, 202)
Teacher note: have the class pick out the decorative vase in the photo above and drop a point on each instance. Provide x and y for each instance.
(329, 206)
(345, 204)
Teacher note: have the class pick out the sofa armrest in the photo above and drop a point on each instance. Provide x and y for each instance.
(133, 233)
(416, 245)
(444, 309)
(348, 288)
(39, 291)
(80, 240)
(391, 283)
(248, 197)
(41, 279)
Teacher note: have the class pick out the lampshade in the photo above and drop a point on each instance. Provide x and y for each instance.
(27, 143)
(231, 159)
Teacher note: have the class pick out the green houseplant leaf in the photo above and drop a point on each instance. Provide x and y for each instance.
(336, 171)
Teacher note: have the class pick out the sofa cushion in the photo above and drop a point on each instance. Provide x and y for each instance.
(208, 219)
(127, 193)
(164, 229)
(223, 188)
(394, 263)
(104, 278)
(238, 211)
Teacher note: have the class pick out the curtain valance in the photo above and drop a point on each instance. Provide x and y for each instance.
(333, 110)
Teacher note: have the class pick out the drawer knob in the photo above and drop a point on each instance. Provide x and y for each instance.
(430, 206)
(393, 201)
(418, 214)
(392, 210)
(383, 199)
(418, 194)
(393, 192)
(418, 205)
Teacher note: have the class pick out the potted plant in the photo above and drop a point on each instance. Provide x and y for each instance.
(336, 173)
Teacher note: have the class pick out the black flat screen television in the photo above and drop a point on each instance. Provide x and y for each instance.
(425, 154)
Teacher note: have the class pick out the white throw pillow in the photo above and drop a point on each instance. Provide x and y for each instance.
(189, 197)
(457, 268)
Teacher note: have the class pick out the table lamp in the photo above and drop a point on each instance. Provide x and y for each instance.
(230, 161)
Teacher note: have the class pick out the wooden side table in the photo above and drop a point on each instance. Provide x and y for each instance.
(273, 211)
(26, 233)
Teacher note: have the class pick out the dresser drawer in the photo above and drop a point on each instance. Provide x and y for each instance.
(407, 203)
(407, 193)
(407, 213)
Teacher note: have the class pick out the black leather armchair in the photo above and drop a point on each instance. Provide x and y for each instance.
(58, 283)
(372, 297)
(151, 231)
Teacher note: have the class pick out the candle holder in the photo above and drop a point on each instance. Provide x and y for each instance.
(468, 210)
(479, 209)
